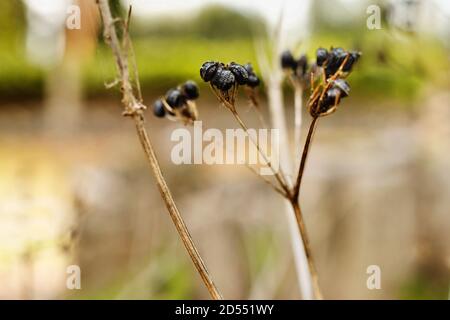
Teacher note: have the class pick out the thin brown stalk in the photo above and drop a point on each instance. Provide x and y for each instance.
(279, 177)
(307, 246)
(134, 108)
(309, 137)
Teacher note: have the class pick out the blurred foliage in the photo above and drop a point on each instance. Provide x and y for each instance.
(165, 67)
(169, 53)
(421, 287)
(17, 76)
(212, 22)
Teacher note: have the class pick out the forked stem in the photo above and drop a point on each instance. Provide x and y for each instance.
(277, 174)
(134, 108)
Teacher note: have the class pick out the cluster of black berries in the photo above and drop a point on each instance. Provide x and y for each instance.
(332, 60)
(224, 77)
(331, 98)
(297, 68)
(332, 66)
(178, 103)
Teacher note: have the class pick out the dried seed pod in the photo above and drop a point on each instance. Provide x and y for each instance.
(330, 100)
(175, 98)
(239, 72)
(253, 81)
(321, 56)
(158, 109)
(335, 58)
(190, 90)
(223, 80)
(208, 70)
(343, 86)
(248, 66)
(288, 61)
(302, 65)
(352, 59)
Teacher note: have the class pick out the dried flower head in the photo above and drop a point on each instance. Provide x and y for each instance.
(295, 69)
(178, 103)
(333, 66)
(225, 79)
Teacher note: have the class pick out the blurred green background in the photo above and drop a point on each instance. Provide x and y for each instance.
(75, 188)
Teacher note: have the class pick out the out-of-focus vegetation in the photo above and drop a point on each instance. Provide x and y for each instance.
(168, 52)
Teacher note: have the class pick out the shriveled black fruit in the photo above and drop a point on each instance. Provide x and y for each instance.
(175, 98)
(302, 65)
(223, 80)
(249, 68)
(158, 109)
(190, 90)
(239, 72)
(330, 100)
(321, 56)
(253, 81)
(352, 59)
(288, 61)
(343, 86)
(208, 70)
(335, 58)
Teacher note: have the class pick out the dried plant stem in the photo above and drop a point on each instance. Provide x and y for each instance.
(274, 77)
(134, 108)
(277, 174)
(309, 137)
(298, 102)
(306, 245)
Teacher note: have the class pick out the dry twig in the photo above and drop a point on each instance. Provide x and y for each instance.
(134, 108)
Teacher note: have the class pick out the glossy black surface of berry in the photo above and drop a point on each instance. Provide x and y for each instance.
(175, 98)
(335, 58)
(239, 72)
(330, 99)
(208, 70)
(158, 109)
(249, 68)
(253, 81)
(343, 86)
(190, 90)
(288, 61)
(321, 56)
(352, 59)
(223, 80)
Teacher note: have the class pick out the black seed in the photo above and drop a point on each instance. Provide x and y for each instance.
(335, 58)
(223, 80)
(175, 98)
(288, 61)
(239, 72)
(329, 100)
(190, 90)
(208, 70)
(302, 65)
(352, 59)
(321, 56)
(253, 81)
(158, 109)
(249, 68)
(343, 86)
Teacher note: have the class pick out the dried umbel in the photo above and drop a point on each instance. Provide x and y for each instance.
(327, 81)
(226, 78)
(178, 103)
(296, 69)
